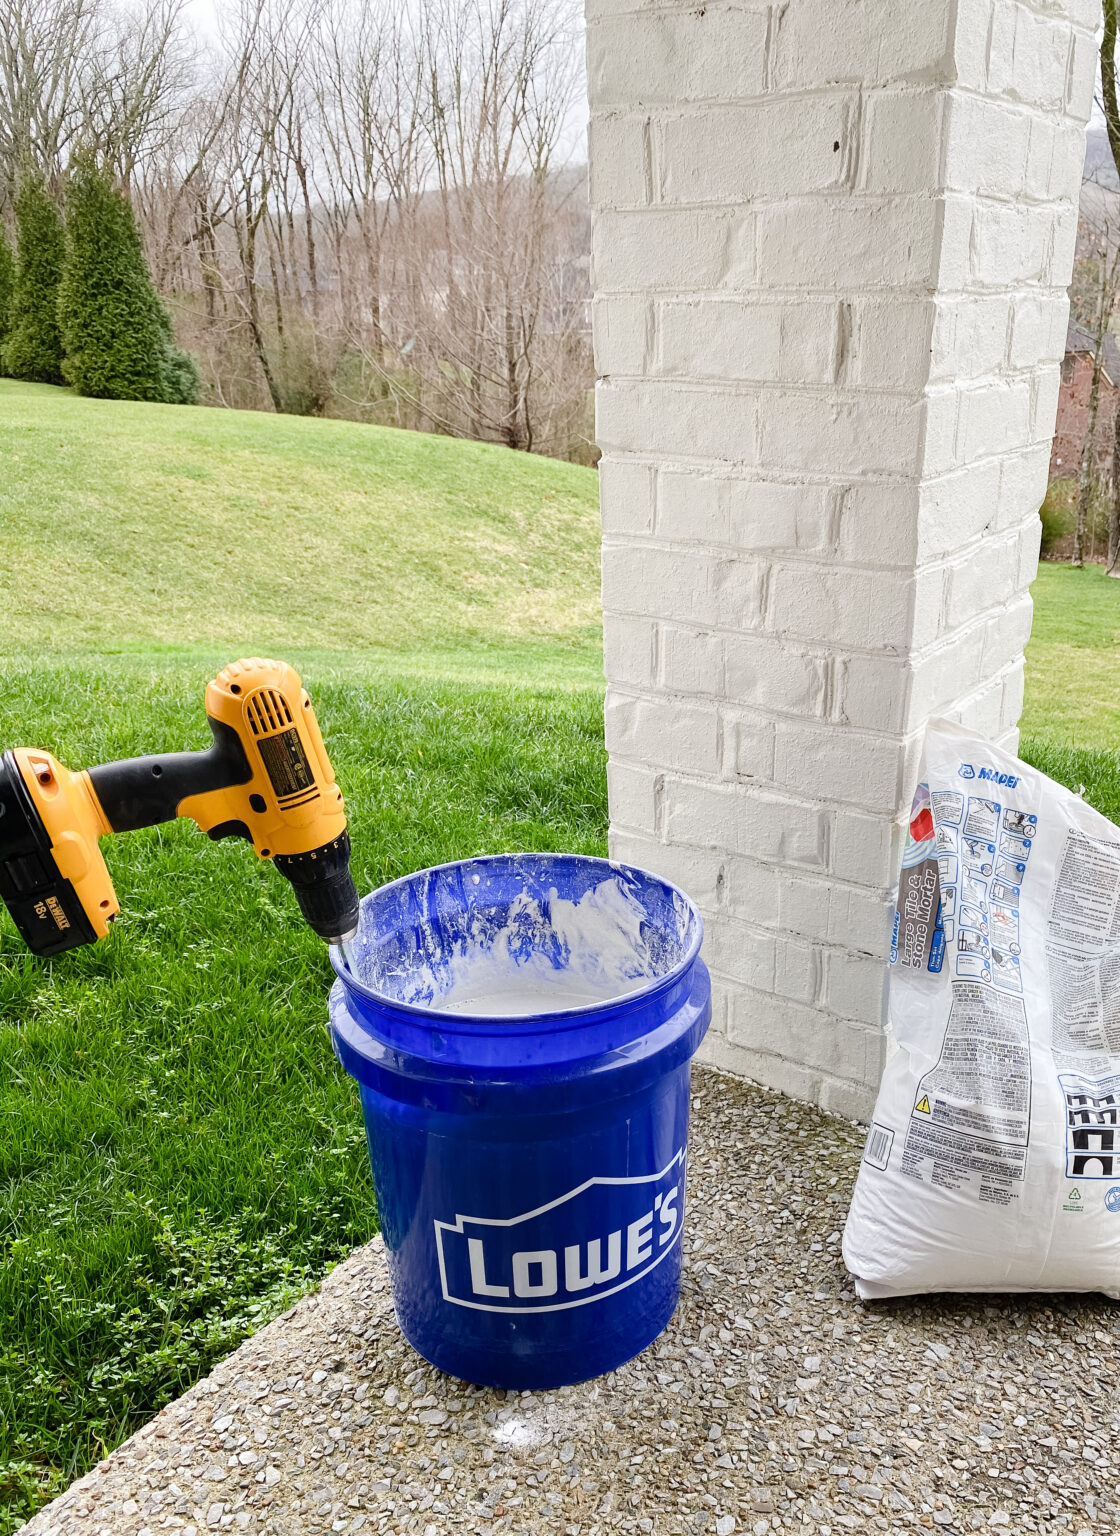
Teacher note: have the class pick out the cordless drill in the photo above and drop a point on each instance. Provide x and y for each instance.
(267, 778)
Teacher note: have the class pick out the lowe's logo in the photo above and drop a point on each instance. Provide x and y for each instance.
(593, 1241)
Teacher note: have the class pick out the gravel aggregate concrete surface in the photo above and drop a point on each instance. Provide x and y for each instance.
(775, 1401)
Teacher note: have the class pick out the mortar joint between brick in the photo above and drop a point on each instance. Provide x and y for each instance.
(1014, 106)
(818, 970)
(649, 169)
(838, 498)
(693, 778)
(835, 668)
(854, 128)
(821, 558)
(764, 595)
(773, 26)
(872, 1031)
(822, 877)
(830, 389)
(814, 644)
(843, 343)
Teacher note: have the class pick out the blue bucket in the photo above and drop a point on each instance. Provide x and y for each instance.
(521, 1029)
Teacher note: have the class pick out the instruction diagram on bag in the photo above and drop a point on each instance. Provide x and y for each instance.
(1092, 1126)
(979, 855)
(1015, 848)
(947, 807)
(1004, 926)
(982, 820)
(945, 841)
(1019, 823)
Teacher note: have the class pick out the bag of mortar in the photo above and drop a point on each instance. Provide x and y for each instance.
(993, 1159)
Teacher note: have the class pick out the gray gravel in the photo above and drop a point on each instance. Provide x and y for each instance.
(774, 1402)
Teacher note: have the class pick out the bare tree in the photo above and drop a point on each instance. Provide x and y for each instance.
(45, 56)
(1111, 110)
(1085, 479)
(358, 206)
(255, 100)
(481, 244)
(140, 71)
(369, 89)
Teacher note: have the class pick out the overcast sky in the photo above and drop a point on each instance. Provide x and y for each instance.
(204, 14)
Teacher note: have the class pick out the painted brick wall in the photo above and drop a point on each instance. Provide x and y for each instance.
(1073, 418)
(831, 244)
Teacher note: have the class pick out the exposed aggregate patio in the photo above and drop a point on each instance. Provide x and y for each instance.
(774, 1402)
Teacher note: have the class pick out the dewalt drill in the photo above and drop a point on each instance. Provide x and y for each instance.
(267, 778)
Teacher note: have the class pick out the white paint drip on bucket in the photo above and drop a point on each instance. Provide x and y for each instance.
(601, 936)
(550, 954)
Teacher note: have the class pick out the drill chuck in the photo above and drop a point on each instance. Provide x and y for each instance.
(324, 889)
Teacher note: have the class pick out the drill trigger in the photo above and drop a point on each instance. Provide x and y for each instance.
(229, 829)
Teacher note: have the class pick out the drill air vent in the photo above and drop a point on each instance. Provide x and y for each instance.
(267, 712)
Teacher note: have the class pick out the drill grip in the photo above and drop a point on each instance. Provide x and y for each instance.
(142, 791)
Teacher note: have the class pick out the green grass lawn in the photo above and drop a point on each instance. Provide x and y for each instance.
(180, 1155)
(1071, 717)
(128, 526)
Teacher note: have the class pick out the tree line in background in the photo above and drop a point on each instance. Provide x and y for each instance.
(361, 208)
(1091, 505)
(1088, 507)
(77, 304)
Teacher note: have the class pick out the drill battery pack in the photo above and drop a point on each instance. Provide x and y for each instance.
(42, 901)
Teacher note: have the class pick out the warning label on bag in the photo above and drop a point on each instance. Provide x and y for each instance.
(972, 1113)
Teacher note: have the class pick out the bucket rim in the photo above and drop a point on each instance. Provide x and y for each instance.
(450, 1020)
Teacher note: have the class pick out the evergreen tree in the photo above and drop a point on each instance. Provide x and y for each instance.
(7, 283)
(34, 346)
(178, 369)
(116, 332)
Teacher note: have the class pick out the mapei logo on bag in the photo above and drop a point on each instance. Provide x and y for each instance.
(991, 775)
(597, 1239)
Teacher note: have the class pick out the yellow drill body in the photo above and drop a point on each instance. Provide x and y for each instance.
(267, 778)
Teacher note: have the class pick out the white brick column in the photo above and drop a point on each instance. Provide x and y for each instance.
(831, 245)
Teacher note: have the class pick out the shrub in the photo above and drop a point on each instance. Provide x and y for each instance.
(1059, 514)
(1059, 518)
(34, 346)
(117, 336)
(7, 284)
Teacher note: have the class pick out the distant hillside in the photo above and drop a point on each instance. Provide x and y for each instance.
(1099, 165)
(1100, 192)
(137, 524)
